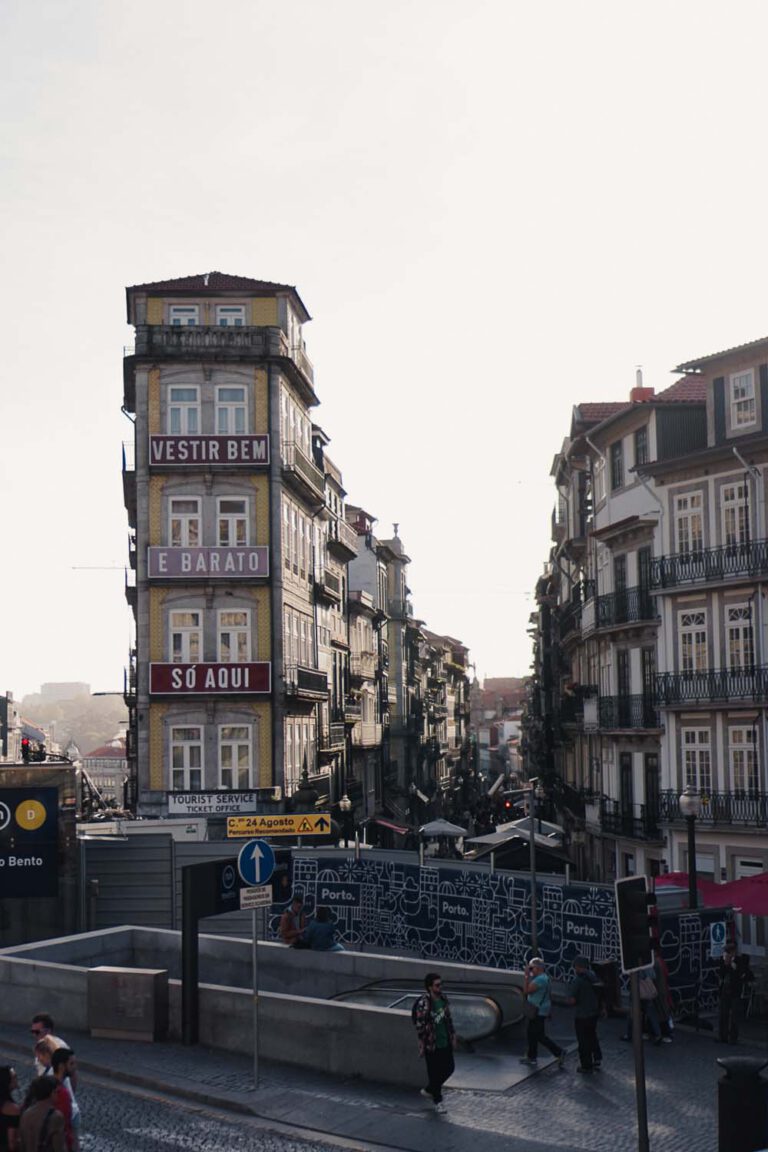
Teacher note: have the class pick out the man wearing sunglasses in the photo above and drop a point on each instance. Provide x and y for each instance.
(41, 1027)
(437, 1037)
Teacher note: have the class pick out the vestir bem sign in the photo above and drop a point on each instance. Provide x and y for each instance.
(183, 679)
(181, 451)
(188, 563)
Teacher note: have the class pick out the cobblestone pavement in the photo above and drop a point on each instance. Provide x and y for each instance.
(546, 1111)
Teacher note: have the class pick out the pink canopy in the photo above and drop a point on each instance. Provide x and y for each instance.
(749, 895)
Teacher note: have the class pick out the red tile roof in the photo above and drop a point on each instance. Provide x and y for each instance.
(214, 281)
(688, 389)
(596, 413)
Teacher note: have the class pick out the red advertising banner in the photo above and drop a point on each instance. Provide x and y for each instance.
(184, 451)
(207, 563)
(206, 679)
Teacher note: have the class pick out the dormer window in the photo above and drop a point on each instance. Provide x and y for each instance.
(183, 315)
(743, 410)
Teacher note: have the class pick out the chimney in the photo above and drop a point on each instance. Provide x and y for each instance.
(639, 394)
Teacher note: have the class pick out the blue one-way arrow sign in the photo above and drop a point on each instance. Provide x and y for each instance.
(256, 862)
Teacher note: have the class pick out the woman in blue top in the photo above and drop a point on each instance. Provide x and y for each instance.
(320, 933)
(537, 994)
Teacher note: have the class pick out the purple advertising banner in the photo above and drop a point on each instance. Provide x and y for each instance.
(232, 679)
(183, 451)
(205, 563)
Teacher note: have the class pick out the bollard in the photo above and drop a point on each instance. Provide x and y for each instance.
(742, 1095)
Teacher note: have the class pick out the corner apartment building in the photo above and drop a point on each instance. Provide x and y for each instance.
(272, 627)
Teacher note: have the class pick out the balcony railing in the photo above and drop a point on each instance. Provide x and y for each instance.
(570, 620)
(630, 606)
(178, 342)
(571, 710)
(366, 734)
(712, 684)
(295, 463)
(400, 609)
(328, 584)
(627, 712)
(732, 561)
(745, 808)
(362, 665)
(332, 737)
(641, 822)
(353, 711)
(342, 538)
(307, 683)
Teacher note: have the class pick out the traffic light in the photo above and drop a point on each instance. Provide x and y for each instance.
(637, 922)
(25, 749)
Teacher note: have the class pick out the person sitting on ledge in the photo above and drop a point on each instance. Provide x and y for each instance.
(293, 922)
(320, 933)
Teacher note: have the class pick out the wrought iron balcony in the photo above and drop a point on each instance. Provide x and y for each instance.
(749, 809)
(400, 609)
(627, 712)
(711, 685)
(630, 606)
(571, 710)
(640, 822)
(342, 539)
(299, 469)
(129, 483)
(305, 683)
(328, 585)
(730, 562)
(332, 737)
(570, 620)
(353, 711)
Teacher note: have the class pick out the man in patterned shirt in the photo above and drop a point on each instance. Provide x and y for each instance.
(437, 1037)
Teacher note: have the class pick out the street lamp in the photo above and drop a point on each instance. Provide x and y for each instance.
(536, 794)
(690, 809)
(345, 807)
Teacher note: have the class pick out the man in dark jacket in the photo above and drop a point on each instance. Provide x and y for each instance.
(729, 983)
(585, 996)
(437, 1037)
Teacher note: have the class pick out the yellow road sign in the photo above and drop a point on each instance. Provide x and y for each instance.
(295, 824)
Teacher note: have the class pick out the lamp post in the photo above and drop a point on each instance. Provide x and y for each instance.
(345, 807)
(536, 794)
(690, 809)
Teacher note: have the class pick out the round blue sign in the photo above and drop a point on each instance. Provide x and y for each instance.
(256, 862)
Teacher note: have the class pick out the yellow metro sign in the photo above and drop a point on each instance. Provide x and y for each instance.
(295, 824)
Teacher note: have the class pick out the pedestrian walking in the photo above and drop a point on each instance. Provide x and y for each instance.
(729, 984)
(9, 1110)
(538, 1001)
(431, 1015)
(584, 995)
(63, 1097)
(41, 1124)
(42, 1027)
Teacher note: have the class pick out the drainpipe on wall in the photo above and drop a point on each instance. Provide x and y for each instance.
(757, 477)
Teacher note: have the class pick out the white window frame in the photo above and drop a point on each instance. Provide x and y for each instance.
(599, 473)
(235, 741)
(697, 759)
(739, 636)
(185, 627)
(230, 315)
(742, 759)
(233, 637)
(232, 526)
(689, 523)
(743, 402)
(735, 514)
(692, 641)
(231, 411)
(187, 758)
(183, 418)
(183, 315)
(184, 527)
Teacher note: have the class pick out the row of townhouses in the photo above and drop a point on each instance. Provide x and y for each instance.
(650, 670)
(277, 651)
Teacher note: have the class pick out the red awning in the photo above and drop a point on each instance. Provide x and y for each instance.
(388, 824)
(749, 895)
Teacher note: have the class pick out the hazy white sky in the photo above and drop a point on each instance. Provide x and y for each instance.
(493, 211)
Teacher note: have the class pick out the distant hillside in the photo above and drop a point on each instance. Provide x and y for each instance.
(87, 720)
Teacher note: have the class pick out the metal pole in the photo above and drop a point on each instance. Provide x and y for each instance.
(637, 1044)
(532, 866)
(255, 1003)
(693, 904)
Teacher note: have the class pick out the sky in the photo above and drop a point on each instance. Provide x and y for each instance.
(492, 211)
